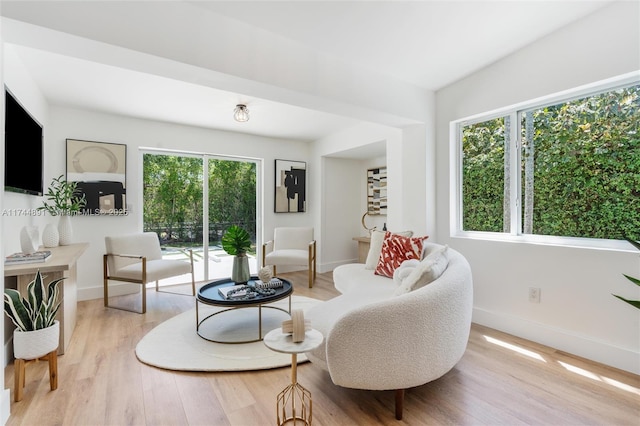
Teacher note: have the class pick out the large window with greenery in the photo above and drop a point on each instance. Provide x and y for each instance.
(189, 211)
(569, 168)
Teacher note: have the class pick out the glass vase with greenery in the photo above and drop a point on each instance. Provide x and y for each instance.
(236, 242)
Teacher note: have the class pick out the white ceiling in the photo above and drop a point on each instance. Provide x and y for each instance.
(429, 44)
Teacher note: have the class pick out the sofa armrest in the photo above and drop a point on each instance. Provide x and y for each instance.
(401, 342)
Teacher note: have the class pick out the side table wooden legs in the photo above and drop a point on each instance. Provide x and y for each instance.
(291, 396)
(19, 373)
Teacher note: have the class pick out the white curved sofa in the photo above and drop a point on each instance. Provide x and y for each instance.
(377, 340)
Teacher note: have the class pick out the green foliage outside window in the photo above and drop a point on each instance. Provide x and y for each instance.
(483, 176)
(585, 158)
(172, 198)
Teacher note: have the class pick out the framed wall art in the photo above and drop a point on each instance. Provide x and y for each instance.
(377, 191)
(290, 186)
(99, 168)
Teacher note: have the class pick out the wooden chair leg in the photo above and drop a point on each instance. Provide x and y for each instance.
(399, 403)
(53, 369)
(19, 379)
(144, 298)
(105, 275)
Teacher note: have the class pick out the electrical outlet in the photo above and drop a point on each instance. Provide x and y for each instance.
(534, 294)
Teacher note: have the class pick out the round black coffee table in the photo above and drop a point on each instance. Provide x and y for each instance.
(209, 294)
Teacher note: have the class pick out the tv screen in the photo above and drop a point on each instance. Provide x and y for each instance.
(23, 150)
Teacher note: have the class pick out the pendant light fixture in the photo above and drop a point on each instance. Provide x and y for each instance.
(241, 113)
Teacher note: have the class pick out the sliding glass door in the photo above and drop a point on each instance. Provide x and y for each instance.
(189, 211)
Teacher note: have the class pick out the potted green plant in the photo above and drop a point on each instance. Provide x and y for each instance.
(37, 331)
(236, 242)
(636, 281)
(62, 199)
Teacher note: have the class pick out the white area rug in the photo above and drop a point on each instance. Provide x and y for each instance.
(175, 345)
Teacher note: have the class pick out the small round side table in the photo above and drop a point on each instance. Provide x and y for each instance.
(277, 341)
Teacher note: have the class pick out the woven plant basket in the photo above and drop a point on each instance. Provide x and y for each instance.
(37, 343)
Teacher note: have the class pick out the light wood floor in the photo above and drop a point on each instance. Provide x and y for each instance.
(501, 380)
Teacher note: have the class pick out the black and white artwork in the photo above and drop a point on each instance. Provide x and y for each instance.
(377, 191)
(99, 168)
(290, 184)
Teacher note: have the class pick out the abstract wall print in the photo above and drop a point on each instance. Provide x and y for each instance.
(290, 184)
(377, 191)
(100, 170)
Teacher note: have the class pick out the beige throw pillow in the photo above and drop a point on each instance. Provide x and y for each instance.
(375, 247)
(429, 270)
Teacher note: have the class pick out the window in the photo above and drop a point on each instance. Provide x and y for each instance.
(563, 168)
(180, 205)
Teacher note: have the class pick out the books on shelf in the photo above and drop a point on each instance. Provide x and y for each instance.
(20, 258)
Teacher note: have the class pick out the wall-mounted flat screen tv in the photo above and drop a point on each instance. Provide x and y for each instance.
(23, 149)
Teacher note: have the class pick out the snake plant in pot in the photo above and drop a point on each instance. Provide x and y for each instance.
(236, 241)
(636, 281)
(37, 331)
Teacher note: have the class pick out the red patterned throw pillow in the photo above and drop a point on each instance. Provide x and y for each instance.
(395, 250)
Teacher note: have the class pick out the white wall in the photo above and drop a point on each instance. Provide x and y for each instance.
(78, 124)
(409, 151)
(577, 313)
(16, 206)
(342, 182)
(5, 397)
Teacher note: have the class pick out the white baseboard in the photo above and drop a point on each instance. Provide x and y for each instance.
(6, 406)
(580, 345)
(120, 289)
(115, 289)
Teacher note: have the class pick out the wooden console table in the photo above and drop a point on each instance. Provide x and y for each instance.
(363, 248)
(61, 264)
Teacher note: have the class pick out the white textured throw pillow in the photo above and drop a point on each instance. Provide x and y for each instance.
(404, 270)
(375, 247)
(429, 269)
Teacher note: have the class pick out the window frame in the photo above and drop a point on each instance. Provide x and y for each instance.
(515, 112)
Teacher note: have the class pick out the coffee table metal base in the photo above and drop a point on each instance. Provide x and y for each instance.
(257, 305)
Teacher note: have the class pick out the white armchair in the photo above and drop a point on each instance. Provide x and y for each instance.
(138, 259)
(291, 246)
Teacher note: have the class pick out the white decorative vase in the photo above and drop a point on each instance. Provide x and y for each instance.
(50, 235)
(29, 239)
(37, 343)
(65, 230)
